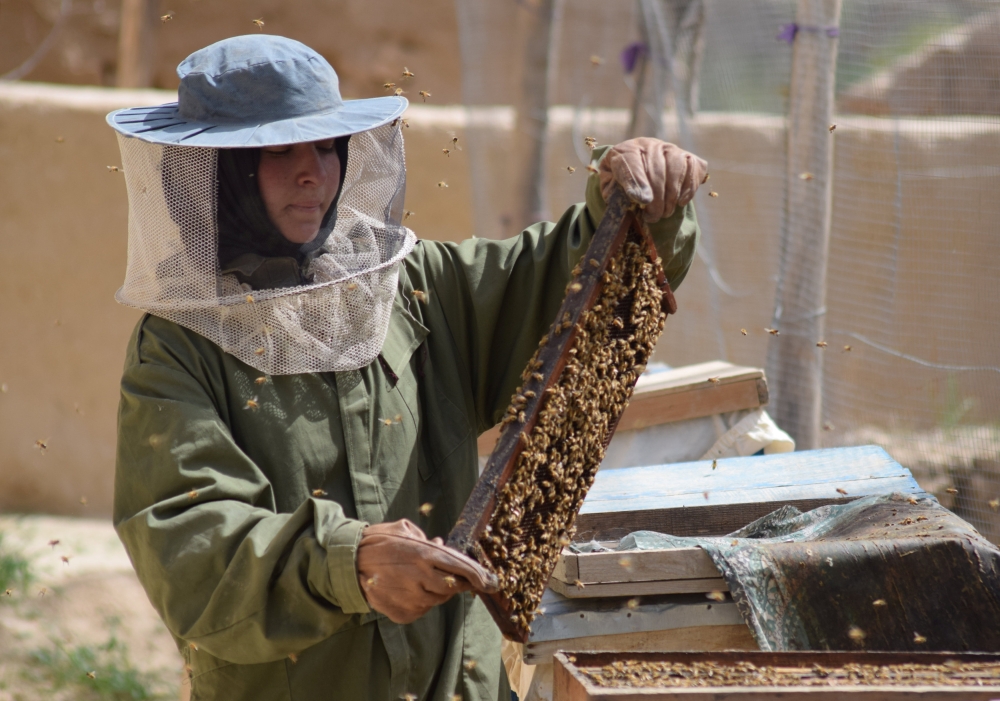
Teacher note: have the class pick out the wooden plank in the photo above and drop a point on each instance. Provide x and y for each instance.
(570, 684)
(695, 499)
(709, 399)
(560, 618)
(648, 588)
(643, 565)
(737, 637)
(680, 394)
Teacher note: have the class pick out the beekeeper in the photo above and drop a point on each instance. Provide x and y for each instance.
(300, 405)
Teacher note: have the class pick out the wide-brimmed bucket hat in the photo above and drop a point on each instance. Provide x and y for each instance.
(252, 91)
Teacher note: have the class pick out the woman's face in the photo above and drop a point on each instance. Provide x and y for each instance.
(298, 184)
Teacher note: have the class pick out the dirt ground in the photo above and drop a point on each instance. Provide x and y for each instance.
(86, 615)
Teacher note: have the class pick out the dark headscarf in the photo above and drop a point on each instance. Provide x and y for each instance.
(245, 228)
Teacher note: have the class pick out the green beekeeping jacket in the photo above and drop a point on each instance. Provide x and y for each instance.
(251, 569)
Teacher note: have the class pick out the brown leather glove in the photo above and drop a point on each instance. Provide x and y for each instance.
(657, 175)
(403, 574)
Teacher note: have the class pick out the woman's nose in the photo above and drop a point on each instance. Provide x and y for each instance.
(310, 167)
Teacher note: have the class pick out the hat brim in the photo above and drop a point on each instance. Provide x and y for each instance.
(163, 124)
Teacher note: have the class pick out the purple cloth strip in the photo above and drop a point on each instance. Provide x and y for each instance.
(630, 55)
(788, 31)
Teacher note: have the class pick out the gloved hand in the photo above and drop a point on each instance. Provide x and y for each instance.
(657, 175)
(403, 574)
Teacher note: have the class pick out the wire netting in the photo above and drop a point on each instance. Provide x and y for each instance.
(910, 283)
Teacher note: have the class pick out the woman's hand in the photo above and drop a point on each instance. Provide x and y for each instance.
(403, 574)
(657, 175)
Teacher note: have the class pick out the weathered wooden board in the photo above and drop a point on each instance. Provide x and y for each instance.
(564, 618)
(680, 394)
(735, 637)
(660, 586)
(697, 499)
(570, 684)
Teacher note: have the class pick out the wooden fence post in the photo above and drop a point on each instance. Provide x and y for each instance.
(136, 43)
(795, 363)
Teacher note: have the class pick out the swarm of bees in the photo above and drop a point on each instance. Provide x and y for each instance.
(536, 508)
(636, 673)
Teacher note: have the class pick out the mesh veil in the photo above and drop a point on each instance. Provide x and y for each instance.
(336, 322)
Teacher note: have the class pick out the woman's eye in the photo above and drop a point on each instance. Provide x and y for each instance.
(326, 146)
(277, 151)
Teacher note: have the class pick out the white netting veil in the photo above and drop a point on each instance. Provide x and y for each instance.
(336, 321)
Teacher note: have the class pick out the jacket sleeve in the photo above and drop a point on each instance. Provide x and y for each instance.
(497, 298)
(197, 517)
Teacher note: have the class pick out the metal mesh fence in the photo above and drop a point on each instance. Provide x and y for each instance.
(914, 243)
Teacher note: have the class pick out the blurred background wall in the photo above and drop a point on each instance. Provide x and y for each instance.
(914, 247)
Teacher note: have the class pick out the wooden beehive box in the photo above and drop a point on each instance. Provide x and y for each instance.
(573, 683)
(697, 499)
(679, 394)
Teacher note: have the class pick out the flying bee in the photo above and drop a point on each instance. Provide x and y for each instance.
(167, 17)
(951, 490)
(92, 675)
(715, 464)
(65, 559)
(625, 563)
(115, 169)
(446, 152)
(994, 504)
(8, 592)
(591, 168)
(454, 142)
(743, 331)
(855, 634)
(715, 380)
(259, 351)
(397, 92)
(318, 492)
(259, 22)
(632, 604)
(450, 581)
(293, 658)
(407, 214)
(420, 295)
(469, 665)
(575, 287)
(879, 603)
(249, 299)
(716, 596)
(833, 128)
(260, 380)
(398, 418)
(43, 591)
(442, 184)
(407, 73)
(827, 426)
(570, 169)
(53, 543)
(713, 193)
(578, 584)
(806, 176)
(847, 349)
(773, 332)
(252, 404)
(821, 344)
(42, 444)
(409, 697)
(387, 422)
(406, 123)
(918, 638)
(426, 508)
(351, 286)
(388, 86)
(590, 141)
(424, 95)
(596, 60)
(193, 494)
(912, 500)
(841, 491)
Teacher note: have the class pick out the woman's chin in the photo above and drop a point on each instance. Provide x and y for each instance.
(301, 236)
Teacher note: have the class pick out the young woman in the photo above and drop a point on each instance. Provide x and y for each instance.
(301, 403)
